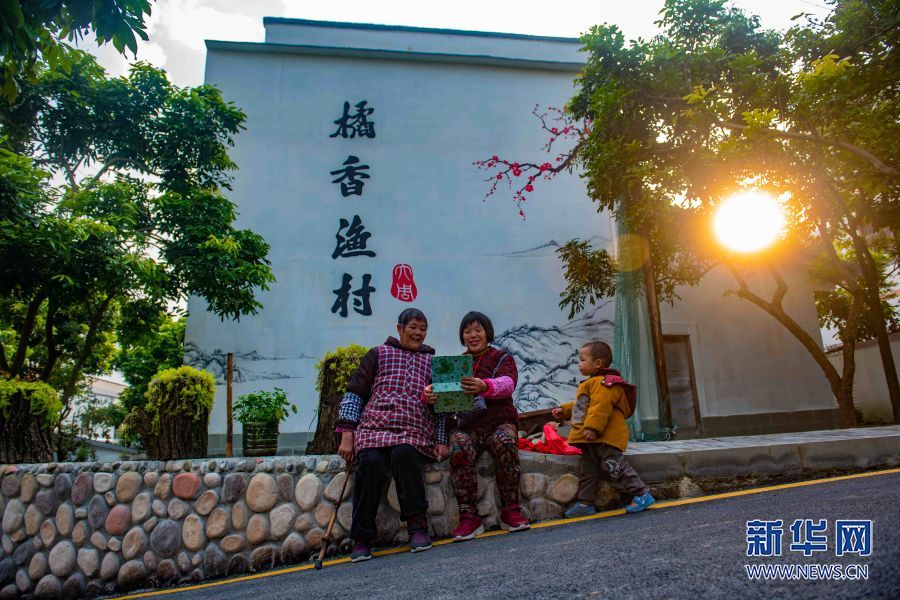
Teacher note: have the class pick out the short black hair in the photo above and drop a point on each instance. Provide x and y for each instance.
(600, 351)
(482, 319)
(411, 314)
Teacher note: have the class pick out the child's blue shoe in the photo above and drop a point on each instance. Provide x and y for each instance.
(580, 509)
(639, 503)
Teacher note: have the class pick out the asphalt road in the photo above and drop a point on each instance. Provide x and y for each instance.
(693, 551)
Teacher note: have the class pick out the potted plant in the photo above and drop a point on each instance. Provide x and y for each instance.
(260, 413)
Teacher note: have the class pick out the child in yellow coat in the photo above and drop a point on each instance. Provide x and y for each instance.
(599, 429)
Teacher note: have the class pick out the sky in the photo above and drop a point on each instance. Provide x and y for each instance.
(178, 28)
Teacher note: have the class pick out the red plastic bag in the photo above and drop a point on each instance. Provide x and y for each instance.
(552, 443)
(526, 444)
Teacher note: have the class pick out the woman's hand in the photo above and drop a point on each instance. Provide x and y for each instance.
(557, 413)
(589, 434)
(442, 451)
(473, 385)
(430, 396)
(347, 449)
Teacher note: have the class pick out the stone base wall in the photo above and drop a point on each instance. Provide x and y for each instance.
(74, 530)
(88, 529)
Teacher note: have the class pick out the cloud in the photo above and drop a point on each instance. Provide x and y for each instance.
(178, 30)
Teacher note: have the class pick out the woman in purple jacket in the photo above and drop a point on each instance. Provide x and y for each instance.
(387, 426)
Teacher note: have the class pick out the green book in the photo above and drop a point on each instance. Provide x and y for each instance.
(446, 380)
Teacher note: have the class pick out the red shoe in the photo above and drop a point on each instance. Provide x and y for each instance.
(513, 519)
(469, 526)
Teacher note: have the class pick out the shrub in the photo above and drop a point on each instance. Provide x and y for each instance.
(339, 365)
(335, 371)
(184, 391)
(28, 412)
(42, 399)
(174, 422)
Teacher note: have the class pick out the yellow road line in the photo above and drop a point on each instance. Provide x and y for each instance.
(542, 524)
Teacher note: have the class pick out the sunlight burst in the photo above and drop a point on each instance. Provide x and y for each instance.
(748, 221)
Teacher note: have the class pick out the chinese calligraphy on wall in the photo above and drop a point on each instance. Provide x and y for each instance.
(352, 239)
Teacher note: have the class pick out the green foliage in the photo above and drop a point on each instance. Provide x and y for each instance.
(31, 32)
(342, 363)
(111, 210)
(590, 275)
(149, 342)
(263, 407)
(43, 399)
(184, 391)
(715, 104)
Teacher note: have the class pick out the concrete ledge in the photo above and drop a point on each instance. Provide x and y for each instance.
(774, 454)
(659, 467)
(859, 453)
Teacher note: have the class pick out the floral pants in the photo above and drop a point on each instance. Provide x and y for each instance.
(502, 443)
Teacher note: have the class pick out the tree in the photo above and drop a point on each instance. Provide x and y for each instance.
(715, 104)
(31, 33)
(140, 221)
(146, 348)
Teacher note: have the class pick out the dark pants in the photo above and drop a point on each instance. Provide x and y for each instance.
(600, 459)
(502, 443)
(373, 468)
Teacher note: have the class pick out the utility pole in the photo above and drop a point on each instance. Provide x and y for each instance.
(229, 435)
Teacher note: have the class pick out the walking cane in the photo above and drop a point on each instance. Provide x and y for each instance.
(326, 541)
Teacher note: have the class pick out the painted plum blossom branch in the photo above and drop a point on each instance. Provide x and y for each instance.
(520, 176)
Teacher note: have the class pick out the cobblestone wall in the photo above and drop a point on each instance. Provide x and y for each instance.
(72, 530)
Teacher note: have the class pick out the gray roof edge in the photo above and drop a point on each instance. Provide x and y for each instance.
(338, 51)
(407, 28)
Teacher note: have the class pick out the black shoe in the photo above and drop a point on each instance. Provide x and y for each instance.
(361, 551)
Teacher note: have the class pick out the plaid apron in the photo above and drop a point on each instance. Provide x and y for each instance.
(396, 412)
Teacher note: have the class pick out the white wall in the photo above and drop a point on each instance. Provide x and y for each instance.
(425, 206)
(745, 361)
(870, 392)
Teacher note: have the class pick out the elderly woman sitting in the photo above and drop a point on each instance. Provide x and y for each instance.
(491, 426)
(390, 431)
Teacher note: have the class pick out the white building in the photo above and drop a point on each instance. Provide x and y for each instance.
(439, 100)
(101, 392)
(870, 391)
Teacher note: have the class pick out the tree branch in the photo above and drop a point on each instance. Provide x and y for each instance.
(106, 167)
(70, 176)
(876, 162)
(777, 311)
(781, 289)
(849, 279)
(709, 268)
(110, 163)
(85, 350)
(4, 366)
(25, 333)
(877, 34)
(848, 340)
(52, 350)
